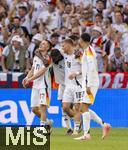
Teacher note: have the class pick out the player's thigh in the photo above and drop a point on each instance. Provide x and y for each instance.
(68, 95)
(35, 98)
(89, 99)
(77, 107)
(66, 105)
(60, 91)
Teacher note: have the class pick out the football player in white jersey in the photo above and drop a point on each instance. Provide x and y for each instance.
(72, 92)
(39, 74)
(59, 73)
(90, 84)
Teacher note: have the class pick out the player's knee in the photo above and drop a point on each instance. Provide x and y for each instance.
(77, 108)
(84, 108)
(65, 108)
(81, 109)
(34, 110)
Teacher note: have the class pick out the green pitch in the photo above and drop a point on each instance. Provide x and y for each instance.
(117, 140)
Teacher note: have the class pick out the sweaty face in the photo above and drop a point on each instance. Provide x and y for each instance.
(44, 46)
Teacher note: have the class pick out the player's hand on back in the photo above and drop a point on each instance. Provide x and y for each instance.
(46, 60)
(72, 76)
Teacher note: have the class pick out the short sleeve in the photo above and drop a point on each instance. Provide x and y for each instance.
(5, 51)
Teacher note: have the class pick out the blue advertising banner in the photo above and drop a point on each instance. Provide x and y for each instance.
(111, 105)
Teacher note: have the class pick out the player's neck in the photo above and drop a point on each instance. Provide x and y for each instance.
(86, 46)
(43, 53)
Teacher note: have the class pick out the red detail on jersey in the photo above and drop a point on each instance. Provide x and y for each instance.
(89, 52)
(99, 42)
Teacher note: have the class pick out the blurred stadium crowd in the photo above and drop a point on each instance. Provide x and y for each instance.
(25, 23)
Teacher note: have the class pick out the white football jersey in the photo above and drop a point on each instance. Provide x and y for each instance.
(44, 80)
(72, 65)
(90, 76)
(59, 72)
